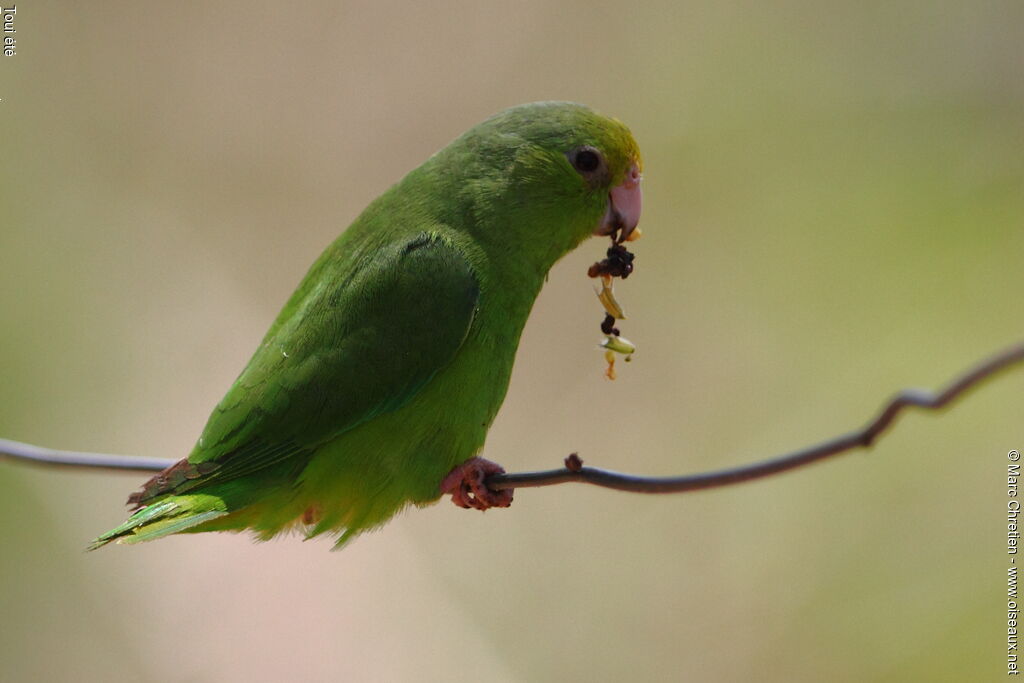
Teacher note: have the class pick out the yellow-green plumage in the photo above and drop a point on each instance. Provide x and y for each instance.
(388, 364)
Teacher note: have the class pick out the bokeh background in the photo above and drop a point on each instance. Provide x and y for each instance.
(834, 210)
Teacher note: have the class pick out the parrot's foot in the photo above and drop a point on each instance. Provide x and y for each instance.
(466, 484)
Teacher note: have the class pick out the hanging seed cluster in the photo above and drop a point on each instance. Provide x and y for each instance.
(618, 263)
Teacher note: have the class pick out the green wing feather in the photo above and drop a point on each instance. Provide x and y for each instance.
(347, 347)
(362, 343)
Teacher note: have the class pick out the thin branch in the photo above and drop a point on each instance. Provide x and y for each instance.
(862, 438)
(574, 469)
(37, 455)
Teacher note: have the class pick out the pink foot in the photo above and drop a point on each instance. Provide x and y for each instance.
(466, 484)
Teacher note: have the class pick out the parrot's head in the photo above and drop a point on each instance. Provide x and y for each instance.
(547, 175)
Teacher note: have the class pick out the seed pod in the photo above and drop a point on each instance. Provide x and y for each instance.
(618, 345)
(606, 295)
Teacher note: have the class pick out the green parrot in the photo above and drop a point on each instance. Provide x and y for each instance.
(375, 386)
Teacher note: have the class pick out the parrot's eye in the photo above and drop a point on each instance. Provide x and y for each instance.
(586, 160)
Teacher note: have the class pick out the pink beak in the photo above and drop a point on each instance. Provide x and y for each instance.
(624, 204)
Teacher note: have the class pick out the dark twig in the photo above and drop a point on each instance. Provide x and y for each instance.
(575, 471)
(858, 439)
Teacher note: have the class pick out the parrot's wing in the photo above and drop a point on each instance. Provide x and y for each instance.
(346, 348)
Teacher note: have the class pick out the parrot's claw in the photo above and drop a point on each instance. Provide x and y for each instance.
(466, 484)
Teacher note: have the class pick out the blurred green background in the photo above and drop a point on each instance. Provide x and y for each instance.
(834, 210)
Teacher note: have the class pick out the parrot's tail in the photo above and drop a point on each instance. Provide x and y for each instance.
(169, 516)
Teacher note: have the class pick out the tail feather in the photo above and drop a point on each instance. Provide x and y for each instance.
(161, 519)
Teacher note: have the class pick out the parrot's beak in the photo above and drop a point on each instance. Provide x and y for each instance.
(624, 203)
